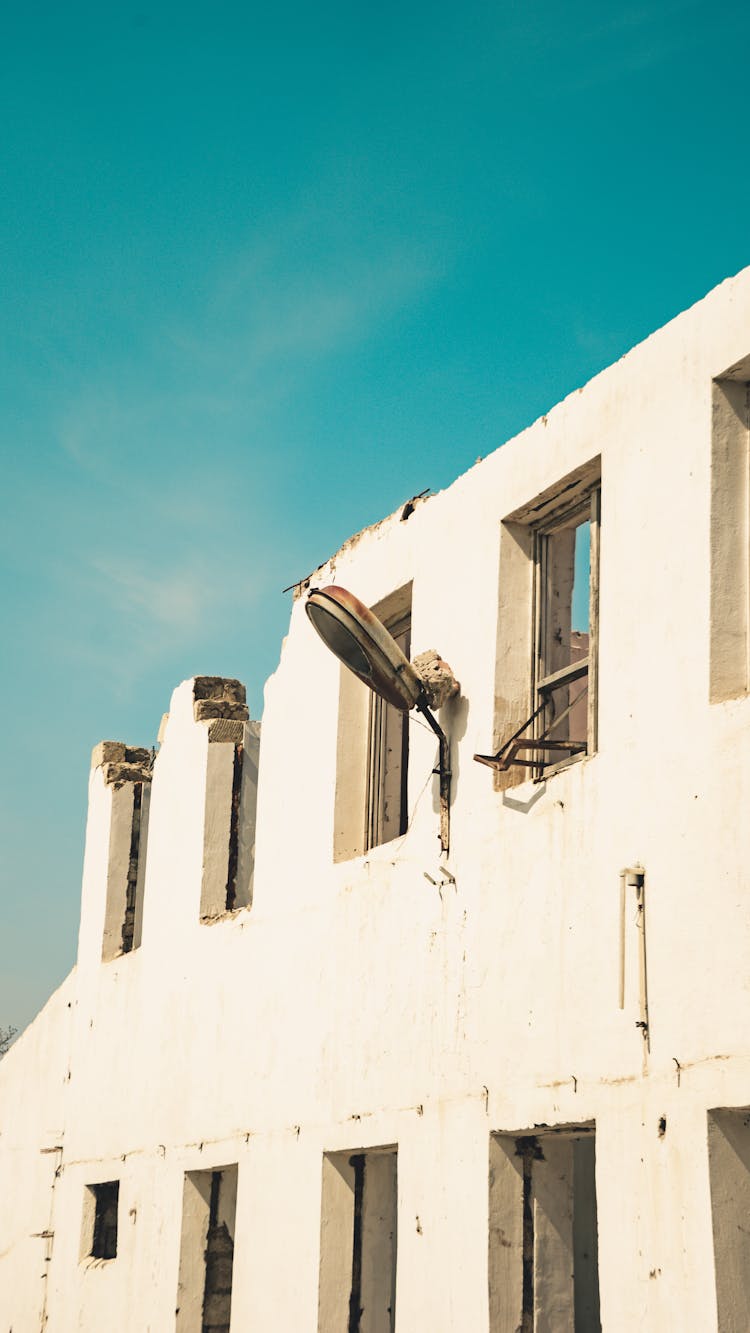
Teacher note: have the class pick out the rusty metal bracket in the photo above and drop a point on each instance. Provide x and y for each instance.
(506, 755)
(443, 770)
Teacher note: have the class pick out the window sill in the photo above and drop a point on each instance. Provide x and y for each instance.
(526, 794)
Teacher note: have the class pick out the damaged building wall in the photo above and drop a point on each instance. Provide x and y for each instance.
(406, 999)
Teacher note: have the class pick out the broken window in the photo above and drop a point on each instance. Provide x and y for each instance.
(204, 1295)
(549, 601)
(543, 1250)
(357, 1292)
(729, 1167)
(371, 800)
(566, 580)
(100, 1208)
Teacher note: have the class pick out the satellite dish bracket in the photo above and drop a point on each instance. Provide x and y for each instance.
(443, 771)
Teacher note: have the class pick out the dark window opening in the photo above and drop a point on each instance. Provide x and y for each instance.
(234, 830)
(131, 887)
(355, 1297)
(219, 1259)
(204, 1288)
(104, 1239)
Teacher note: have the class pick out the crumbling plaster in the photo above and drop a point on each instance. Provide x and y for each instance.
(363, 1003)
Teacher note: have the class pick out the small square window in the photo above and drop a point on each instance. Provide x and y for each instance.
(100, 1220)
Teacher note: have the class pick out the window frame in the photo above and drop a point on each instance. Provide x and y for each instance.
(357, 807)
(587, 508)
(519, 750)
(381, 717)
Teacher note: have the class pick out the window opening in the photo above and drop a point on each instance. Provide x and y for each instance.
(229, 817)
(561, 666)
(355, 1298)
(127, 773)
(204, 1293)
(543, 1252)
(100, 1219)
(562, 724)
(234, 829)
(131, 887)
(357, 1292)
(372, 751)
(729, 1171)
(729, 661)
(219, 1255)
(388, 757)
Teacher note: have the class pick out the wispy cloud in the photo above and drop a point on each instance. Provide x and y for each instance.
(632, 40)
(175, 458)
(624, 41)
(160, 600)
(267, 319)
(265, 312)
(122, 617)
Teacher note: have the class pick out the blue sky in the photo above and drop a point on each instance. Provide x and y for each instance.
(266, 273)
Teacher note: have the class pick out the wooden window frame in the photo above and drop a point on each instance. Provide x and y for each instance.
(544, 682)
(383, 717)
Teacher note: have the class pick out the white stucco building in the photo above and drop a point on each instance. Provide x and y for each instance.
(311, 1065)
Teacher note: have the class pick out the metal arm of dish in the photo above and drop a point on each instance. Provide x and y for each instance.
(444, 771)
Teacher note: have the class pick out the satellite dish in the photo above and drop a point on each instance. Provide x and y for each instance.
(359, 640)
